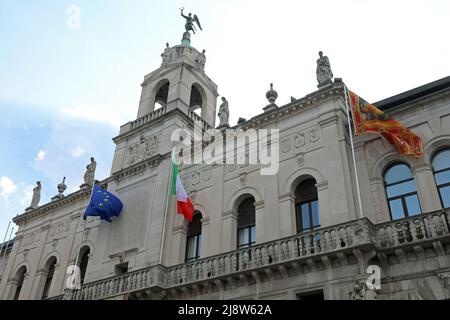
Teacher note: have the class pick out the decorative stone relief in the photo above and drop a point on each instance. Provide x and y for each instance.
(196, 177)
(25, 254)
(361, 292)
(30, 239)
(286, 145)
(314, 135)
(144, 149)
(300, 140)
(59, 228)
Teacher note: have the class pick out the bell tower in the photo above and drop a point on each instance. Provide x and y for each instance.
(180, 82)
(176, 95)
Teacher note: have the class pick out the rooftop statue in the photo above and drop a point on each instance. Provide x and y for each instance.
(323, 72)
(36, 196)
(190, 22)
(224, 113)
(89, 174)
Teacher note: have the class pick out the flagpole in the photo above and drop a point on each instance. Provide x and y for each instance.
(9, 240)
(166, 209)
(77, 258)
(350, 125)
(4, 239)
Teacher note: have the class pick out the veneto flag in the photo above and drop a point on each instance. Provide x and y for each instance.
(368, 118)
(184, 204)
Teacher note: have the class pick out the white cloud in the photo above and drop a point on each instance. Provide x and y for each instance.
(7, 187)
(77, 152)
(94, 114)
(41, 155)
(27, 194)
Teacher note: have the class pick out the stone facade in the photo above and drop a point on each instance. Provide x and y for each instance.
(149, 239)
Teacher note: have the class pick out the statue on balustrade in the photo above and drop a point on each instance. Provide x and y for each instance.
(90, 174)
(323, 72)
(224, 113)
(36, 196)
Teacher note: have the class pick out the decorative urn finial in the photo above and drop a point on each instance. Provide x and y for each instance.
(271, 95)
(62, 186)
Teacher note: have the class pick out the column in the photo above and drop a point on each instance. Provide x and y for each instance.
(229, 231)
(426, 188)
(381, 206)
(260, 222)
(288, 223)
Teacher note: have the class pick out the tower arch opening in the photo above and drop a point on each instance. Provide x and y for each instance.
(198, 98)
(162, 95)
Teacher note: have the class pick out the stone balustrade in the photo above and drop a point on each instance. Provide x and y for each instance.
(162, 111)
(302, 246)
(196, 118)
(412, 229)
(113, 286)
(148, 117)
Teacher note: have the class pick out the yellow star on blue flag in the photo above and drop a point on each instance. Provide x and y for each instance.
(103, 204)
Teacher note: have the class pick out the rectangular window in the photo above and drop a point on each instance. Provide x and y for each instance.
(396, 207)
(412, 203)
(445, 196)
(442, 177)
(121, 268)
(246, 236)
(193, 247)
(308, 216)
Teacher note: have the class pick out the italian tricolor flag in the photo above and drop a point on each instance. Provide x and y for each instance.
(184, 204)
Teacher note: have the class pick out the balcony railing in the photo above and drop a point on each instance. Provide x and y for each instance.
(412, 229)
(148, 117)
(301, 246)
(272, 254)
(198, 119)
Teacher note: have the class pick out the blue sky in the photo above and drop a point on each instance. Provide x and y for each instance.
(65, 92)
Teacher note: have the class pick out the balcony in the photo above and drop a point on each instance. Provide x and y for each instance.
(310, 248)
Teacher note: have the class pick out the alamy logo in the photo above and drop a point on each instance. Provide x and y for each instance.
(374, 280)
(73, 21)
(73, 277)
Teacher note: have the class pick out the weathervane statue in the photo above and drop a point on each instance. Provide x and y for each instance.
(190, 21)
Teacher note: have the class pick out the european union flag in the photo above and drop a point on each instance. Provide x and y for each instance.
(103, 204)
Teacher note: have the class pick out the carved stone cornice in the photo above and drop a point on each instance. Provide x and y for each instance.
(151, 162)
(69, 199)
(293, 107)
(81, 194)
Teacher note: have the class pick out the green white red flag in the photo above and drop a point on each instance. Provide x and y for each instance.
(184, 204)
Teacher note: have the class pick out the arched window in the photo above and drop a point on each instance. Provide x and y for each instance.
(50, 268)
(441, 169)
(162, 95)
(194, 237)
(307, 206)
(196, 98)
(20, 277)
(401, 192)
(84, 259)
(246, 223)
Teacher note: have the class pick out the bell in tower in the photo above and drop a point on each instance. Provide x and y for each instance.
(180, 82)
